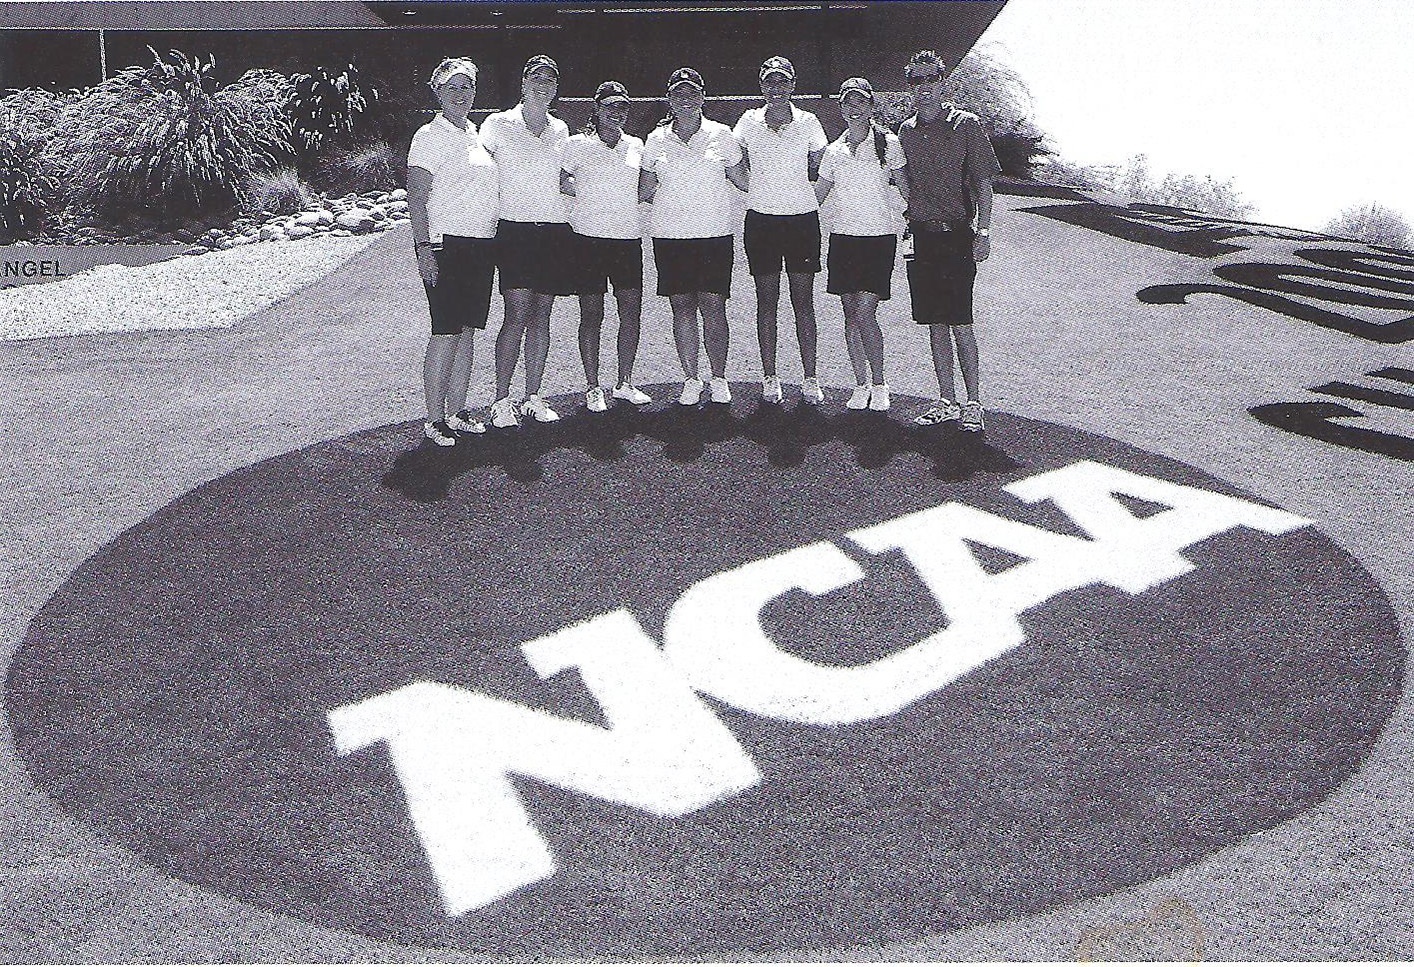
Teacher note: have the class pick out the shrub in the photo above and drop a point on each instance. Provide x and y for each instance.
(279, 192)
(1205, 194)
(169, 140)
(1373, 224)
(27, 189)
(1055, 170)
(33, 110)
(325, 108)
(375, 167)
(29, 173)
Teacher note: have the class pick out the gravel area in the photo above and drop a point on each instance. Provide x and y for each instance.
(216, 290)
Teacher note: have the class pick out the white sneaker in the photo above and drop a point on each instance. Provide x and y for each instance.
(636, 396)
(594, 400)
(972, 419)
(879, 397)
(691, 392)
(439, 433)
(771, 389)
(538, 408)
(463, 422)
(810, 390)
(943, 411)
(721, 392)
(859, 399)
(503, 414)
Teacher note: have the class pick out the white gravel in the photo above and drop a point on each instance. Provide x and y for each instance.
(216, 290)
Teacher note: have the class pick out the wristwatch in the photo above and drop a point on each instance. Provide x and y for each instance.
(984, 231)
(420, 244)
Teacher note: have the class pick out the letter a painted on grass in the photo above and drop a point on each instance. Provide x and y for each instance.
(454, 750)
(1144, 551)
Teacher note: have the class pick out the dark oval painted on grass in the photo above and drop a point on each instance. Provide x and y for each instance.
(173, 692)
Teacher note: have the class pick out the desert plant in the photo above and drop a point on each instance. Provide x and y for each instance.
(1055, 170)
(1372, 223)
(170, 140)
(375, 167)
(326, 107)
(278, 192)
(1205, 194)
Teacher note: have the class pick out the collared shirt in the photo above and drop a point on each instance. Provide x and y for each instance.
(464, 196)
(529, 166)
(605, 203)
(945, 166)
(694, 196)
(862, 202)
(780, 161)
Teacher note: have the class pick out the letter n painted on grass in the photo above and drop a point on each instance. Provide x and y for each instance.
(454, 751)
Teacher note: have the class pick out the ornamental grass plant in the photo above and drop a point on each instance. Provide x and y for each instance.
(169, 141)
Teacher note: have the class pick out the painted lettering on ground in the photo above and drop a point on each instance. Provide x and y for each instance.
(676, 684)
(1381, 425)
(664, 751)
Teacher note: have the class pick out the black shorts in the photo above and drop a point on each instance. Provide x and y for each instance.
(862, 263)
(601, 261)
(538, 256)
(688, 265)
(461, 299)
(940, 277)
(772, 239)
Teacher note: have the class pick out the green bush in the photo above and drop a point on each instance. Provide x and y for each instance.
(279, 192)
(29, 170)
(327, 109)
(375, 167)
(27, 189)
(169, 141)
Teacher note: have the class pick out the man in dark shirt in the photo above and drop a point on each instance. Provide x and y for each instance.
(951, 165)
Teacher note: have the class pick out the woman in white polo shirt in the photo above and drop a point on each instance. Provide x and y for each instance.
(687, 161)
(533, 237)
(782, 146)
(452, 199)
(859, 169)
(600, 171)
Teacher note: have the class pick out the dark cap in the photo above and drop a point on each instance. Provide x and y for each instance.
(686, 75)
(541, 62)
(611, 91)
(777, 65)
(859, 84)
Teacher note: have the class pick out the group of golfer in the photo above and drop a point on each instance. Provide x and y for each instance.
(558, 214)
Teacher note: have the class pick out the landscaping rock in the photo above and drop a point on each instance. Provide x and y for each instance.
(398, 194)
(355, 220)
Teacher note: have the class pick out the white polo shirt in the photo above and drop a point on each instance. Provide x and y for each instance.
(529, 166)
(780, 161)
(464, 196)
(605, 202)
(862, 202)
(694, 196)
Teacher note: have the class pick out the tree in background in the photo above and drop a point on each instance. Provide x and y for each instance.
(1371, 223)
(994, 92)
